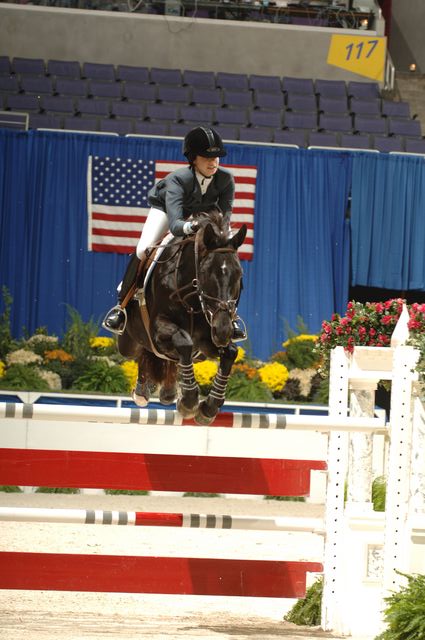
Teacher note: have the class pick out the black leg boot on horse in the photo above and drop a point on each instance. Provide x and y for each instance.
(116, 318)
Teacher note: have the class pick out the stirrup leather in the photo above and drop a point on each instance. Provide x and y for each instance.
(116, 307)
(237, 320)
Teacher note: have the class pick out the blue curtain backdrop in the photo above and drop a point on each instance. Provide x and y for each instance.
(388, 222)
(302, 236)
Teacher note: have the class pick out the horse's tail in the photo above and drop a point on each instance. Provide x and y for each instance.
(158, 370)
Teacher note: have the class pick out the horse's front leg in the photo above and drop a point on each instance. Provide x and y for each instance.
(209, 407)
(144, 387)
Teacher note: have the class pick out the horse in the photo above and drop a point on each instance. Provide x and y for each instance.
(191, 299)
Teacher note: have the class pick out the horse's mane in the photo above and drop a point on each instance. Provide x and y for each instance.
(215, 218)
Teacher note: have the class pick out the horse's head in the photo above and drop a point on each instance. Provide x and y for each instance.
(219, 274)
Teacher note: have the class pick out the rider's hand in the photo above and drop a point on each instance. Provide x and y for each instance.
(190, 227)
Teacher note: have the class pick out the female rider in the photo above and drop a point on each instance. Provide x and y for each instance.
(188, 190)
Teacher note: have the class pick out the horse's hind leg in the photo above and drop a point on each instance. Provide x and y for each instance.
(209, 407)
(144, 387)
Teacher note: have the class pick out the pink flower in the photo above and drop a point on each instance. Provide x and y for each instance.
(387, 319)
(379, 307)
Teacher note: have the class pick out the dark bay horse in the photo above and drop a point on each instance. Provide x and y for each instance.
(191, 300)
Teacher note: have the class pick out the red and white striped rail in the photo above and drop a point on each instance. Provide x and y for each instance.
(150, 519)
(73, 413)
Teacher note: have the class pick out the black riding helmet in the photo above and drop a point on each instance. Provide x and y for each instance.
(203, 141)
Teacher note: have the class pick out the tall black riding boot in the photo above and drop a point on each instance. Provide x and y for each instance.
(116, 318)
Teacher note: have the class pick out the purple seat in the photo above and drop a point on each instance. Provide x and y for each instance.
(122, 127)
(151, 128)
(128, 110)
(387, 144)
(270, 84)
(259, 118)
(333, 105)
(20, 102)
(415, 145)
(313, 21)
(165, 76)
(300, 120)
(93, 106)
(127, 73)
(212, 97)
(323, 139)
(295, 137)
(179, 129)
(58, 104)
(301, 102)
(395, 109)
(81, 124)
(228, 131)
(9, 84)
(204, 79)
(298, 85)
(363, 90)
(44, 121)
(101, 89)
(72, 87)
(358, 141)
(37, 84)
(370, 124)
(140, 92)
(28, 66)
(368, 107)
(176, 94)
(197, 114)
(224, 115)
(169, 112)
(254, 134)
(265, 100)
(237, 98)
(5, 66)
(234, 81)
(98, 71)
(404, 127)
(335, 122)
(64, 68)
(331, 89)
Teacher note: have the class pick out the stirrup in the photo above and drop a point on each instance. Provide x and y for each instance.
(243, 329)
(118, 332)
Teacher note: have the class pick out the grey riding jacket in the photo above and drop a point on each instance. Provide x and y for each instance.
(179, 196)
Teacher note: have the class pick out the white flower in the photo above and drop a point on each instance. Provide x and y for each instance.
(40, 337)
(108, 361)
(23, 356)
(53, 379)
(304, 377)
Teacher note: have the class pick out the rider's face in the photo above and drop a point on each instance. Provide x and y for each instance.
(206, 166)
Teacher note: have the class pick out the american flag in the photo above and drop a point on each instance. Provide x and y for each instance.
(117, 190)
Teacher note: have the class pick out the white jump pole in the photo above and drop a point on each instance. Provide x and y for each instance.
(72, 413)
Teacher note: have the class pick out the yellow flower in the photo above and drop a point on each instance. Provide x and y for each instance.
(2, 369)
(241, 355)
(302, 337)
(205, 372)
(101, 342)
(131, 370)
(274, 375)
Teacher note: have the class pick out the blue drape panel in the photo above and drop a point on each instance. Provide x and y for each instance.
(301, 251)
(388, 222)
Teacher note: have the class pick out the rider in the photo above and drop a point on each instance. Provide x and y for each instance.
(187, 190)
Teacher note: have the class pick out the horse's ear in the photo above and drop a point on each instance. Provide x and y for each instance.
(239, 237)
(210, 237)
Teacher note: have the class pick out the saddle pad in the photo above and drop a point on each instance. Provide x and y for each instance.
(166, 240)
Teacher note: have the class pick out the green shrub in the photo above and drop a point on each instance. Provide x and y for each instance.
(76, 340)
(286, 498)
(405, 611)
(308, 610)
(100, 377)
(57, 490)
(379, 490)
(200, 494)
(23, 377)
(300, 354)
(126, 492)
(243, 389)
(5, 332)
(10, 488)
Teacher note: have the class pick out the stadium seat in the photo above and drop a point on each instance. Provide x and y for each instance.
(301, 102)
(367, 107)
(5, 66)
(404, 127)
(211, 97)
(97, 71)
(395, 109)
(300, 120)
(81, 124)
(256, 134)
(127, 73)
(175, 94)
(335, 122)
(238, 98)
(165, 76)
(298, 85)
(121, 109)
(363, 90)
(139, 92)
(358, 141)
(103, 89)
(151, 128)
(269, 84)
(58, 104)
(168, 112)
(370, 124)
(323, 139)
(72, 87)
(28, 66)
(415, 145)
(264, 100)
(93, 106)
(387, 144)
(228, 131)
(224, 115)
(204, 79)
(196, 114)
(234, 81)
(333, 105)
(111, 125)
(64, 68)
(262, 118)
(37, 85)
(44, 121)
(295, 137)
(21, 102)
(179, 129)
(9, 84)
(335, 89)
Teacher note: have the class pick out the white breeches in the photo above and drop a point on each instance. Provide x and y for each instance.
(155, 227)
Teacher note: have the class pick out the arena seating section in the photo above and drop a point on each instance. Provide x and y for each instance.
(124, 100)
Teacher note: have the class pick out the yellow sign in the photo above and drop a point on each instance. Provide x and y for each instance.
(364, 55)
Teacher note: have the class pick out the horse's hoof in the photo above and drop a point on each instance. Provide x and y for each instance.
(202, 419)
(141, 401)
(184, 411)
(167, 396)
